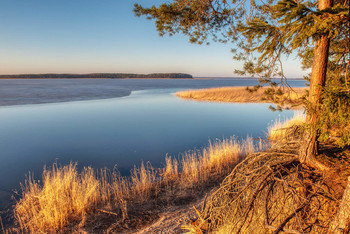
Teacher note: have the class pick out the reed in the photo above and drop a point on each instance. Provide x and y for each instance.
(280, 129)
(242, 95)
(215, 160)
(65, 197)
(171, 169)
(143, 180)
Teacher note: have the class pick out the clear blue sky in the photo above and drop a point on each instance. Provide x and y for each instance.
(85, 36)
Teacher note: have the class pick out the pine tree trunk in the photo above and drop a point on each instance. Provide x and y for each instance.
(309, 149)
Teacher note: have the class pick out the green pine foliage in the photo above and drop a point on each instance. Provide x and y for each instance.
(264, 31)
(334, 121)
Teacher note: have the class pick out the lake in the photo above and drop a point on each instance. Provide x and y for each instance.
(132, 121)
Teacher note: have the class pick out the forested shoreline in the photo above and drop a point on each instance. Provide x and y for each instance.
(97, 76)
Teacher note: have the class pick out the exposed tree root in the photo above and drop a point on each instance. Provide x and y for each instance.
(272, 192)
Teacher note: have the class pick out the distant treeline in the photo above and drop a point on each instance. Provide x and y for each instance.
(96, 76)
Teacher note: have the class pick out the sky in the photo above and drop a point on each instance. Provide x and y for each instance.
(92, 36)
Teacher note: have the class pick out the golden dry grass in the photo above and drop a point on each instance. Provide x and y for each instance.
(278, 131)
(142, 181)
(240, 95)
(66, 197)
(218, 157)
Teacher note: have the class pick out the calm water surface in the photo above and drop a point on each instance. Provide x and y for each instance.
(124, 131)
(34, 91)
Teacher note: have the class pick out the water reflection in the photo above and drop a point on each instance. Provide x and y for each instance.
(124, 131)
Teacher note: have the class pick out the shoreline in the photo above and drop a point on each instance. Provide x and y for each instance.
(161, 192)
(172, 198)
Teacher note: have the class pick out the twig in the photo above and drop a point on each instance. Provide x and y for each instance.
(108, 212)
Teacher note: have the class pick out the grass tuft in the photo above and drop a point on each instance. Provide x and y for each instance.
(216, 159)
(143, 179)
(280, 130)
(65, 196)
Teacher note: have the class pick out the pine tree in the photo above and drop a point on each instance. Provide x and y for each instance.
(317, 83)
(264, 31)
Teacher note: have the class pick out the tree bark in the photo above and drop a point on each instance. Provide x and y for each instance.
(341, 222)
(309, 149)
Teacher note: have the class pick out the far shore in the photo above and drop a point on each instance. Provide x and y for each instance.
(290, 99)
(133, 78)
(97, 76)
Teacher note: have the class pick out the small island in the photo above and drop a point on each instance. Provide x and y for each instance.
(99, 76)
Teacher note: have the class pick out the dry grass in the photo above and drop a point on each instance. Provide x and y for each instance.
(68, 198)
(143, 180)
(280, 130)
(65, 196)
(242, 95)
(217, 158)
(197, 166)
